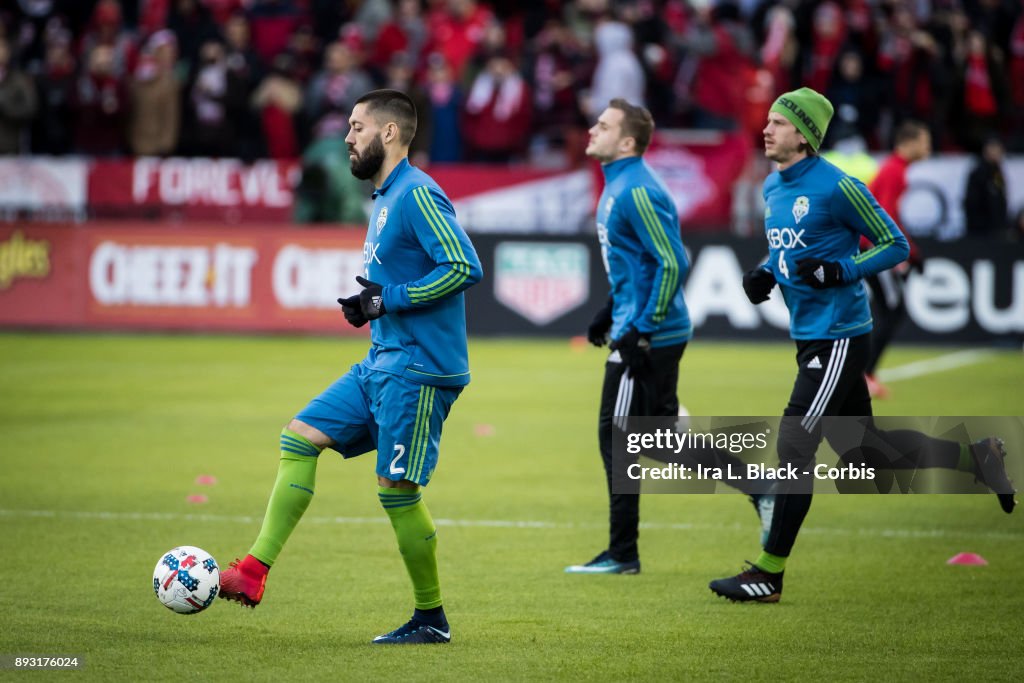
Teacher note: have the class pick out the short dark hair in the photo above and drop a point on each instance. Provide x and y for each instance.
(909, 131)
(637, 123)
(392, 105)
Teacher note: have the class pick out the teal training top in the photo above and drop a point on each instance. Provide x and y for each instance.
(418, 251)
(638, 228)
(814, 210)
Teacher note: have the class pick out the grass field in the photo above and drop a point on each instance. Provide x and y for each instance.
(104, 437)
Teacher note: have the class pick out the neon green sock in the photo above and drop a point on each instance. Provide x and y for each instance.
(773, 564)
(417, 541)
(296, 478)
(966, 463)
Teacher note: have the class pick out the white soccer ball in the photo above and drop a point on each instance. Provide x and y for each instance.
(186, 579)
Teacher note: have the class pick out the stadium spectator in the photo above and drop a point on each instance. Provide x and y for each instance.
(52, 126)
(101, 104)
(445, 97)
(156, 98)
(370, 16)
(215, 93)
(106, 29)
(153, 16)
(557, 66)
(273, 22)
(914, 59)
(985, 205)
(333, 91)
(494, 41)
(983, 93)
(910, 63)
(780, 47)
(497, 115)
(193, 26)
(221, 11)
(645, 322)
(913, 143)
(245, 67)
(405, 32)
(654, 26)
(307, 54)
(854, 97)
(827, 38)
(278, 99)
(618, 72)
(18, 103)
(240, 55)
(720, 60)
(27, 26)
(1016, 73)
(455, 29)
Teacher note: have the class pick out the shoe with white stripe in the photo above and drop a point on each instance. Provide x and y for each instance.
(751, 585)
(990, 469)
(416, 633)
(604, 564)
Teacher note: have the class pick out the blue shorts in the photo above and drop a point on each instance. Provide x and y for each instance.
(366, 410)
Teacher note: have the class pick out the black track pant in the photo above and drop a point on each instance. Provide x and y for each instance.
(830, 381)
(651, 395)
(888, 309)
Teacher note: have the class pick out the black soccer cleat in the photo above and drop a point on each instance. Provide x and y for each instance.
(415, 632)
(990, 469)
(604, 564)
(751, 585)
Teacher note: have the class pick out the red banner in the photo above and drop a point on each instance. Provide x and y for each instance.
(193, 189)
(199, 278)
(700, 169)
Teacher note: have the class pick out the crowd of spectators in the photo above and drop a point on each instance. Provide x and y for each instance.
(494, 81)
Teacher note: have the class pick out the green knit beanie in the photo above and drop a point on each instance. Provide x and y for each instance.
(808, 110)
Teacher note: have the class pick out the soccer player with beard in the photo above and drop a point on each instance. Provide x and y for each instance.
(815, 216)
(418, 261)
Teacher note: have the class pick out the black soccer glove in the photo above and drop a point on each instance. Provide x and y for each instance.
(351, 310)
(820, 274)
(364, 306)
(758, 283)
(635, 350)
(597, 333)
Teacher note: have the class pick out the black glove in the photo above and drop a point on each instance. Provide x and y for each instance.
(352, 311)
(366, 305)
(820, 274)
(635, 350)
(758, 283)
(597, 333)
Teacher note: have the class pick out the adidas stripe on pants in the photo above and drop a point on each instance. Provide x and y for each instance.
(829, 381)
(653, 395)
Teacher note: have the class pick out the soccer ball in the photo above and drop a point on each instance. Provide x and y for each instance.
(186, 579)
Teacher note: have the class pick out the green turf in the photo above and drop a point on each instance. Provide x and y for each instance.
(104, 436)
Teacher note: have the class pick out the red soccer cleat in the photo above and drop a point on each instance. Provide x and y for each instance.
(244, 581)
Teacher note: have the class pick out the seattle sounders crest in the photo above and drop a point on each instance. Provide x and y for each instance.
(800, 208)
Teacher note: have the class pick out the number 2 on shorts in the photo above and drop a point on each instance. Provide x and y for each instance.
(399, 452)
